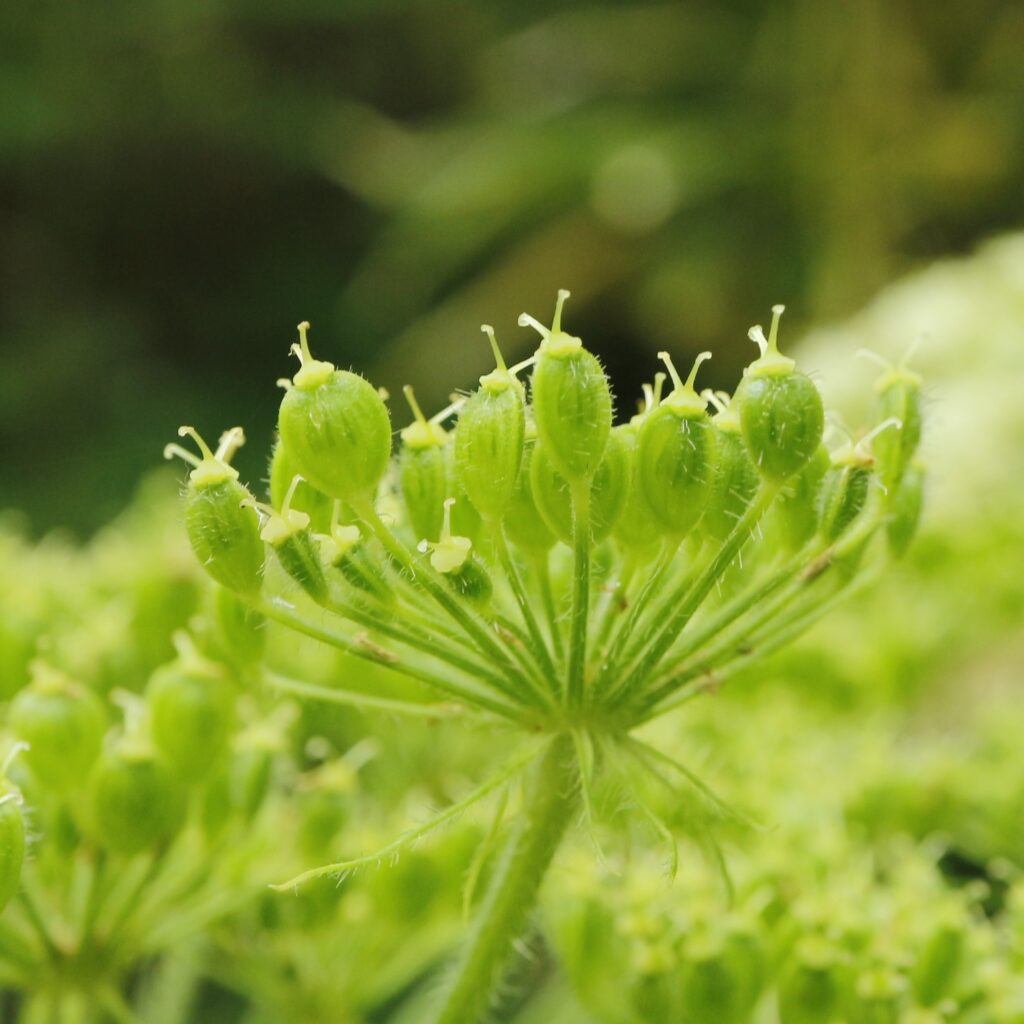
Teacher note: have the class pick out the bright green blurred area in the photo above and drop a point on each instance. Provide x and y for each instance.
(182, 182)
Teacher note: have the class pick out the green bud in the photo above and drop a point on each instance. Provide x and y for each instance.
(489, 440)
(677, 454)
(241, 630)
(137, 801)
(223, 530)
(844, 491)
(452, 557)
(287, 531)
(62, 723)
(899, 400)
(735, 479)
(335, 427)
(12, 841)
(938, 962)
(303, 498)
(608, 490)
(191, 713)
(637, 528)
(423, 472)
(905, 509)
(780, 409)
(524, 524)
(572, 402)
(796, 511)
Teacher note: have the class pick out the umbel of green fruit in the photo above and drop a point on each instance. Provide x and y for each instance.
(223, 530)
(572, 403)
(489, 439)
(62, 725)
(780, 409)
(677, 454)
(335, 427)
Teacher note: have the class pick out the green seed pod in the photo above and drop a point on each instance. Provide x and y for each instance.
(938, 962)
(12, 841)
(287, 532)
(191, 714)
(899, 400)
(524, 525)
(241, 630)
(137, 800)
(423, 472)
(608, 490)
(796, 510)
(223, 530)
(304, 498)
(735, 477)
(335, 427)
(844, 492)
(780, 409)
(811, 991)
(572, 402)
(905, 509)
(637, 528)
(677, 454)
(489, 440)
(452, 557)
(62, 723)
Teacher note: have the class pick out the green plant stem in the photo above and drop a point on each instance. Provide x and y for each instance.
(580, 591)
(763, 644)
(662, 634)
(550, 802)
(475, 629)
(288, 617)
(542, 570)
(539, 644)
(410, 637)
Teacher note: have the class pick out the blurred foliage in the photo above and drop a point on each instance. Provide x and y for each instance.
(183, 182)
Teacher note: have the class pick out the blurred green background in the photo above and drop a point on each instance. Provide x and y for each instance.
(181, 182)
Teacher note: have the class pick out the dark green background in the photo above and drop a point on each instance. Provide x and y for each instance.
(181, 182)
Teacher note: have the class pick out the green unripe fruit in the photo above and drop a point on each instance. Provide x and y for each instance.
(677, 455)
(524, 525)
(608, 490)
(242, 634)
(12, 842)
(637, 527)
(222, 526)
(811, 991)
(489, 440)
(735, 480)
(63, 724)
(137, 801)
(781, 411)
(472, 582)
(335, 427)
(423, 472)
(287, 531)
(796, 510)
(304, 498)
(904, 509)
(191, 714)
(938, 962)
(899, 399)
(572, 401)
(844, 493)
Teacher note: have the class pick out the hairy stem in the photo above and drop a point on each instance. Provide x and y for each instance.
(550, 802)
(580, 592)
